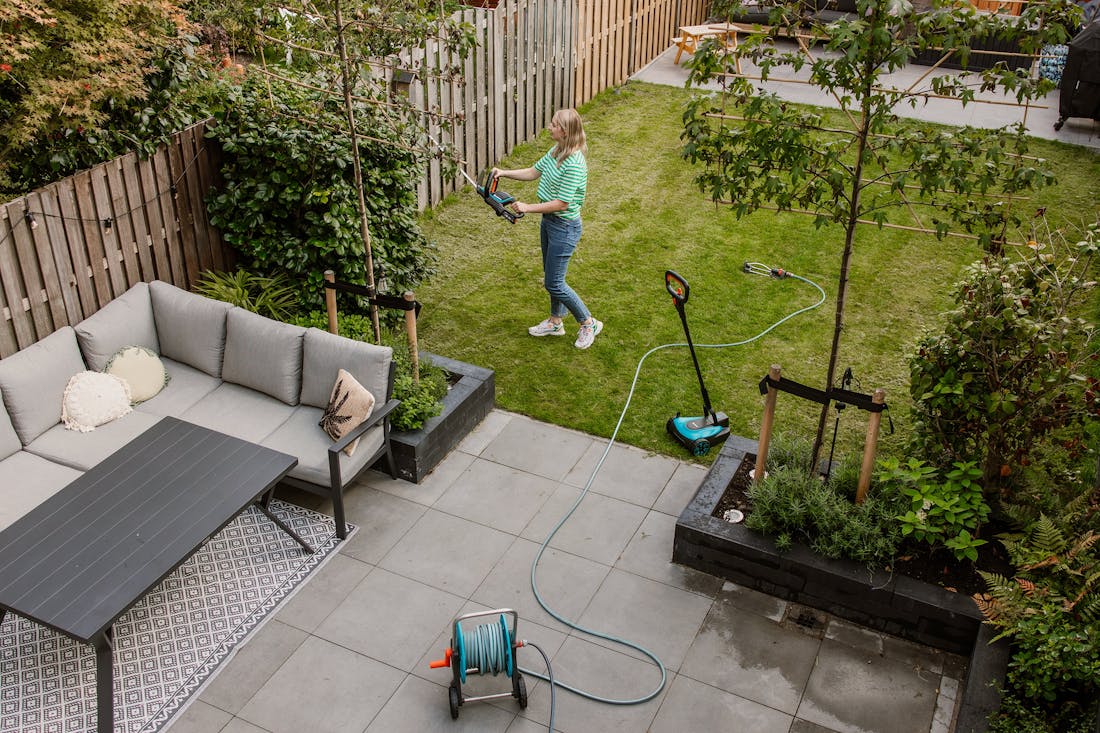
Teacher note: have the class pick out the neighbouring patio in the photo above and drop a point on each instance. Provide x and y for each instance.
(350, 651)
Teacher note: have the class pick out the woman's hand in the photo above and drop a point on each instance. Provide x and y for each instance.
(520, 207)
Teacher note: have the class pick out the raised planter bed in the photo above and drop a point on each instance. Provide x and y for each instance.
(467, 402)
(893, 604)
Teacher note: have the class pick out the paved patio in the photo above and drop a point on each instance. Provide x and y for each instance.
(350, 652)
(1003, 110)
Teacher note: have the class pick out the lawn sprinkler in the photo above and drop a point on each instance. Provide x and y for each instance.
(697, 434)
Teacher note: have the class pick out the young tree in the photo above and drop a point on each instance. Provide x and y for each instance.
(873, 169)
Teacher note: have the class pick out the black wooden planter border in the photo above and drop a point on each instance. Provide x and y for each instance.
(893, 604)
(466, 404)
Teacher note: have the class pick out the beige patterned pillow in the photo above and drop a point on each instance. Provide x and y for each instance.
(94, 398)
(348, 406)
(140, 368)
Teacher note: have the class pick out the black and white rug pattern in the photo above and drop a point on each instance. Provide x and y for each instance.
(169, 644)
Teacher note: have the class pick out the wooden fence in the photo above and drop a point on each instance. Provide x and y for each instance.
(68, 249)
(534, 57)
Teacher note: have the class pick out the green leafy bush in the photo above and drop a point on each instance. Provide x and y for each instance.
(1019, 715)
(288, 201)
(947, 510)
(274, 297)
(1007, 372)
(1051, 609)
(793, 506)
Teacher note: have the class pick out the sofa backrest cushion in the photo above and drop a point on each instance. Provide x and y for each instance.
(125, 321)
(33, 381)
(9, 440)
(263, 355)
(325, 354)
(191, 328)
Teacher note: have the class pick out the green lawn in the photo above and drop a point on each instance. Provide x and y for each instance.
(643, 216)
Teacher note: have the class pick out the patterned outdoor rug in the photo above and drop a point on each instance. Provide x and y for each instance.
(171, 642)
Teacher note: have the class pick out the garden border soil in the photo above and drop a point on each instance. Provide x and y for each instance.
(894, 604)
(466, 404)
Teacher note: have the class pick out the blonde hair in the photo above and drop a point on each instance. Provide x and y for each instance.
(573, 139)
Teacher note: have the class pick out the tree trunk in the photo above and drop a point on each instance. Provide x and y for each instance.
(349, 109)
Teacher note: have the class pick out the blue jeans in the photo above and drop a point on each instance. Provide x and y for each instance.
(559, 238)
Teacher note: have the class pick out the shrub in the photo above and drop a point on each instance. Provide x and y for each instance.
(274, 297)
(793, 506)
(288, 201)
(1006, 374)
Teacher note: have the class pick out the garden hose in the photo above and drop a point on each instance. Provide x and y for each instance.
(752, 268)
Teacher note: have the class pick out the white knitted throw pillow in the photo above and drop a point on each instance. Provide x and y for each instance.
(94, 398)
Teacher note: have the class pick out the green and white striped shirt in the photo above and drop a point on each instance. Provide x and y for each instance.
(567, 181)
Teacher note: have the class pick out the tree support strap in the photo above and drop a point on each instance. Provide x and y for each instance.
(385, 301)
(823, 397)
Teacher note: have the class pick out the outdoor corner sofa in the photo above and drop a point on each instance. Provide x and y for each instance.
(229, 370)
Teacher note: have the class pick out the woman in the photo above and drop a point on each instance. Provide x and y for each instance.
(563, 180)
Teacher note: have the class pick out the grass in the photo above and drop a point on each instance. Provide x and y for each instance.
(644, 215)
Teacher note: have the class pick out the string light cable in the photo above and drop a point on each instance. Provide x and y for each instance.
(751, 268)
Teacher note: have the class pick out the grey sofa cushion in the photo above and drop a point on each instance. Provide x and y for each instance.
(324, 354)
(186, 386)
(264, 355)
(9, 440)
(33, 381)
(301, 436)
(26, 480)
(191, 328)
(125, 321)
(239, 411)
(84, 450)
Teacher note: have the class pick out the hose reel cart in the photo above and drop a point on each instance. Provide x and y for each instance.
(487, 649)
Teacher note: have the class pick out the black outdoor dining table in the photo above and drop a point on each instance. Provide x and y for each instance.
(87, 554)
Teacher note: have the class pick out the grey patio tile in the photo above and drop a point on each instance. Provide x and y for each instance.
(322, 688)
(323, 592)
(805, 726)
(523, 725)
(627, 473)
(693, 706)
(493, 425)
(566, 582)
(649, 554)
(390, 618)
(751, 656)
(431, 487)
(753, 601)
(242, 726)
(656, 616)
(497, 496)
(605, 672)
(382, 519)
(855, 636)
(199, 718)
(447, 552)
(255, 661)
(926, 658)
(851, 692)
(681, 488)
(419, 706)
(538, 448)
(599, 529)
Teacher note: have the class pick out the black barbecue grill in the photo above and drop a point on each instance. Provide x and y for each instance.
(1079, 91)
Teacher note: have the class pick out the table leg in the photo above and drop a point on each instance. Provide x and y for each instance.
(105, 681)
(263, 505)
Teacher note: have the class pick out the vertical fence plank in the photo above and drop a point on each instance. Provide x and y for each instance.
(169, 211)
(151, 194)
(47, 264)
(12, 282)
(123, 221)
(9, 341)
(71, 263)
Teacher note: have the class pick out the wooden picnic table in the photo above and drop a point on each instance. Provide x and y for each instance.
(692, 35)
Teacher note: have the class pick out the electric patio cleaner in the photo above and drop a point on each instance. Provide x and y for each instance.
(697, 434)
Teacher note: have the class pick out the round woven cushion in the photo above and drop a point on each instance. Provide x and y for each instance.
(141, 369)
(94, 398)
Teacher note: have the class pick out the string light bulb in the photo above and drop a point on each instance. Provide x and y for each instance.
(32, 222)
(107, 223)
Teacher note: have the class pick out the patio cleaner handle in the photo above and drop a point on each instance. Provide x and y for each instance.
(751, 268)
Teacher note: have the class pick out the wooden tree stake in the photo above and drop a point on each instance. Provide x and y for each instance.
(766, 425)
(869, 447)
(410, 328)
(330, 303)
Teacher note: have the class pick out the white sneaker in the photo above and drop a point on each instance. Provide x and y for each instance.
(588, 334)
(547, 328)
